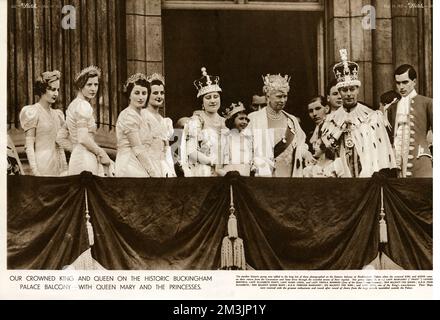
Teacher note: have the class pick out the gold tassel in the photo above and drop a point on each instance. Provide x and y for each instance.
(88, 224)
(232, 226)
(232, 222)
(383, 236)
(226, 254)
(383, 233)
(232, 251)
(239, 259)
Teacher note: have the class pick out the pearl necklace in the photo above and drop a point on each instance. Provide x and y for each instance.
(272, 115)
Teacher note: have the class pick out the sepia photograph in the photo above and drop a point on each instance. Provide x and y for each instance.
(239, 135)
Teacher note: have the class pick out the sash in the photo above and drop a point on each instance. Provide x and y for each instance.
(282, 145)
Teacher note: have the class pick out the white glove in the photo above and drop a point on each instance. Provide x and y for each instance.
(103, 158)
(30, 152)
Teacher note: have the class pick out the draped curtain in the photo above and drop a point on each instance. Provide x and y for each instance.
(285, 223)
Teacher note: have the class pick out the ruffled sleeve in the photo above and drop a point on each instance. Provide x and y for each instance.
(29, 117)
(129, 122)
(83, 114)
(168, 124)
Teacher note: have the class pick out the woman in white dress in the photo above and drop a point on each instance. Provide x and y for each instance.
(160, 129)
(201, 148)
(133, 159)
(86, 154)
(41, 123)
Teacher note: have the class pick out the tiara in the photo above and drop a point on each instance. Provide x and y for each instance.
(133, 79)
(233, 109)
(275, 82)
(49, 76)
(87, 70)
(156, 76)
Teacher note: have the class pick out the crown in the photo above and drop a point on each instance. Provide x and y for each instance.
(87, 70)
(346, 72)
(133, 79)
(156, 76)
(276, 82)
(207, 83)
(50, 76)
(233, 109)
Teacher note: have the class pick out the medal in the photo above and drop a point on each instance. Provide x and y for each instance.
(349, 140)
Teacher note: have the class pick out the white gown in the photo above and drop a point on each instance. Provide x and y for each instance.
(127, 164)
(198, 136)
(49, 157)
(159, 132)
(79, 114)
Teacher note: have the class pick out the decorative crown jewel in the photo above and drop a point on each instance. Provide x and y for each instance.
(207, 84)
(156, 76)
(49, 76)
(233, 109)
(85, 71)
(133, 79)
(276, 82)
(346, 72)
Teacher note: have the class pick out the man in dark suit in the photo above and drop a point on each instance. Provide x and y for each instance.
(317, 109)
(410, 119)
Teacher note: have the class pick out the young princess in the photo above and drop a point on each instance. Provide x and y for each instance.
(238, 148)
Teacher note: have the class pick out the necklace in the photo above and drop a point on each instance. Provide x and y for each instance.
(272, 115)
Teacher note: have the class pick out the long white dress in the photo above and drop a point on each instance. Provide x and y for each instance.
(79, 114)
(238, 151)
(159, 131)
(127, 164)
(204, 138)
(49, 157)
(289, 162)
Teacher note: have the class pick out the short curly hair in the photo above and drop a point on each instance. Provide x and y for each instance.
(44, 80)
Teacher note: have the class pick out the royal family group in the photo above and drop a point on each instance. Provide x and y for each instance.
(350, 139)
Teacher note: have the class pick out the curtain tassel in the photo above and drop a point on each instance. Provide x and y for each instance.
(88, 224)
(239, 260)
(232, 225)
(232, 251)
(227, 254)
(383, 233)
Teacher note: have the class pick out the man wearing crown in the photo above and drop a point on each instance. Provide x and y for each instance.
(279, 141)
(356, 133)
